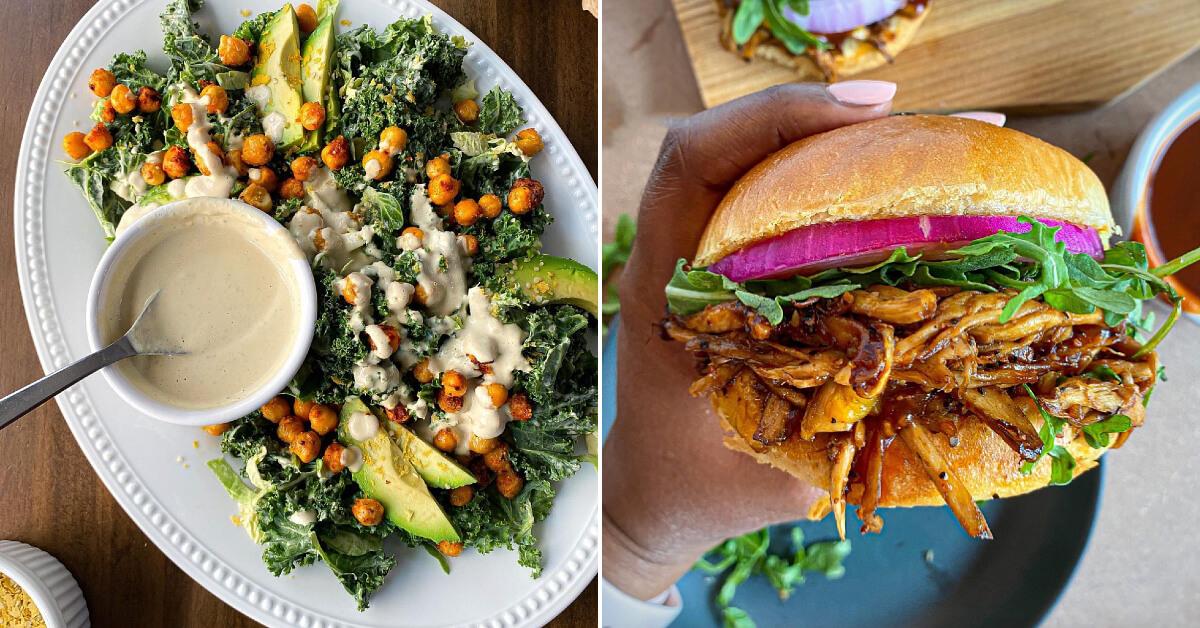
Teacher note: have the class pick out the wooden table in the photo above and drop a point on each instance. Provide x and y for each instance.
(49, 496)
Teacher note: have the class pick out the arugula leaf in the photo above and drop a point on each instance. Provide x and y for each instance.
(748, 18)
(499, 113)
(796, 39)
(1097, 433)
(1062, 467)
(750, 554)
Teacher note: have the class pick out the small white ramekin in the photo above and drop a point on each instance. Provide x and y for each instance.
(48, 583)
(301, 274)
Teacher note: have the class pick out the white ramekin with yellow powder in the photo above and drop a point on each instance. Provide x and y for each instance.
(48, 584)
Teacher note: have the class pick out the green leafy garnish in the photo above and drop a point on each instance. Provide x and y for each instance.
(1097, 433)
(751, 14)
(1062, 465)
(499, 113)
(614, 255)
(750, 555)
(1033, 264)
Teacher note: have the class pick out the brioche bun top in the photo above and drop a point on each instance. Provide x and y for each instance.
(903, 166)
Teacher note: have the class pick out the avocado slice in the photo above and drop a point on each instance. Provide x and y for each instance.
(278, 68)
(550, 279)
(314, 67)
(438, 470)
(387, 476)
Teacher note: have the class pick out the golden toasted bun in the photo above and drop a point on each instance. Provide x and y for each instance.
(982, 460)
(853, 56)
(900, 166)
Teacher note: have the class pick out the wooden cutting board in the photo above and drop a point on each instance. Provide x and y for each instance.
(1005, 55)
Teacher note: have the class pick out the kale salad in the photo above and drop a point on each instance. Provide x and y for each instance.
(450, 383)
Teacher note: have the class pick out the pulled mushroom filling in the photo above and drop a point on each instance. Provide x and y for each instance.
(858, 371)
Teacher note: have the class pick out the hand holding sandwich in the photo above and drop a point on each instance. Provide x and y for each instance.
(672, 490)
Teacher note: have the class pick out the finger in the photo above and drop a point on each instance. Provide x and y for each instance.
(991, 117)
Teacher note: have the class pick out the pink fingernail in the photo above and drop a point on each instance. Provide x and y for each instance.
(863, 93)
(991, 117)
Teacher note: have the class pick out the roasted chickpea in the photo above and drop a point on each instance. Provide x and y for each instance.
(107, 113)
(509, 483)
(462, 496)
(234, 158)
(442, 189)
(218, 99)
(182, 115)
(525, 195)
(498, 394)
(421, 371)
(275, 409)
(312, 115)
(265, 177)
(490, 205)
(415, 232)
(336, 153)
(148, 100)
(483, 475)
(75, 146)
(349, 292)
(399, 414)
(98, 138)
(234, 51)
(291, 188)
(333, 458)
(307, 446)
(257, 149)
(323, 419)
(302, 167)
(301, 407)
(306, 17)
(481, 445)
(215, 149)
(421, 295)
(454, 383)
(393, 140)
(529, 141)
(393, 337)
(377, 164)
(450, 548)
(467, 111)
(289, 428)
(466, 212)
(122, 99)
(153, 174)
(497, 458)
(519, 407)
(216, 429)
(437, 166)
(449, 403)
(102, 82)
(445, 439)
(258, 196)
(470, 244)
(177, 162)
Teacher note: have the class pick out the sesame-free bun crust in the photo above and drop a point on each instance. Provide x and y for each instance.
(901, 166)
(982, 461)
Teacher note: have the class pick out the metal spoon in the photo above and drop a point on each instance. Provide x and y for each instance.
(19, 403)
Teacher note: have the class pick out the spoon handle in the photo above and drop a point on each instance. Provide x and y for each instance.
(17, 404)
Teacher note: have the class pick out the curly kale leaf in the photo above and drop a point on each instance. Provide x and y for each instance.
(490, 521)
(394, 77)
(252, 29)
(337, 347)
(562, 385)
(506, 238)
(499, 113)
(192, 56)
(248, 435)
(131, 70)
(95, 174)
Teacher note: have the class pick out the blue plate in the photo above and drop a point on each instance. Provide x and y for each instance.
(923, 570)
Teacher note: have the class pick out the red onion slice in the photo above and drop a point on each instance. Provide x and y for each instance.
(857, 243)
(840, 16)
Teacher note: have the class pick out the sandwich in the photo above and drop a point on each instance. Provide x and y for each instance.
(821, 40)
(920, 310)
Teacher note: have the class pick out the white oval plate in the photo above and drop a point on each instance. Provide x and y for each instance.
(154, 470)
